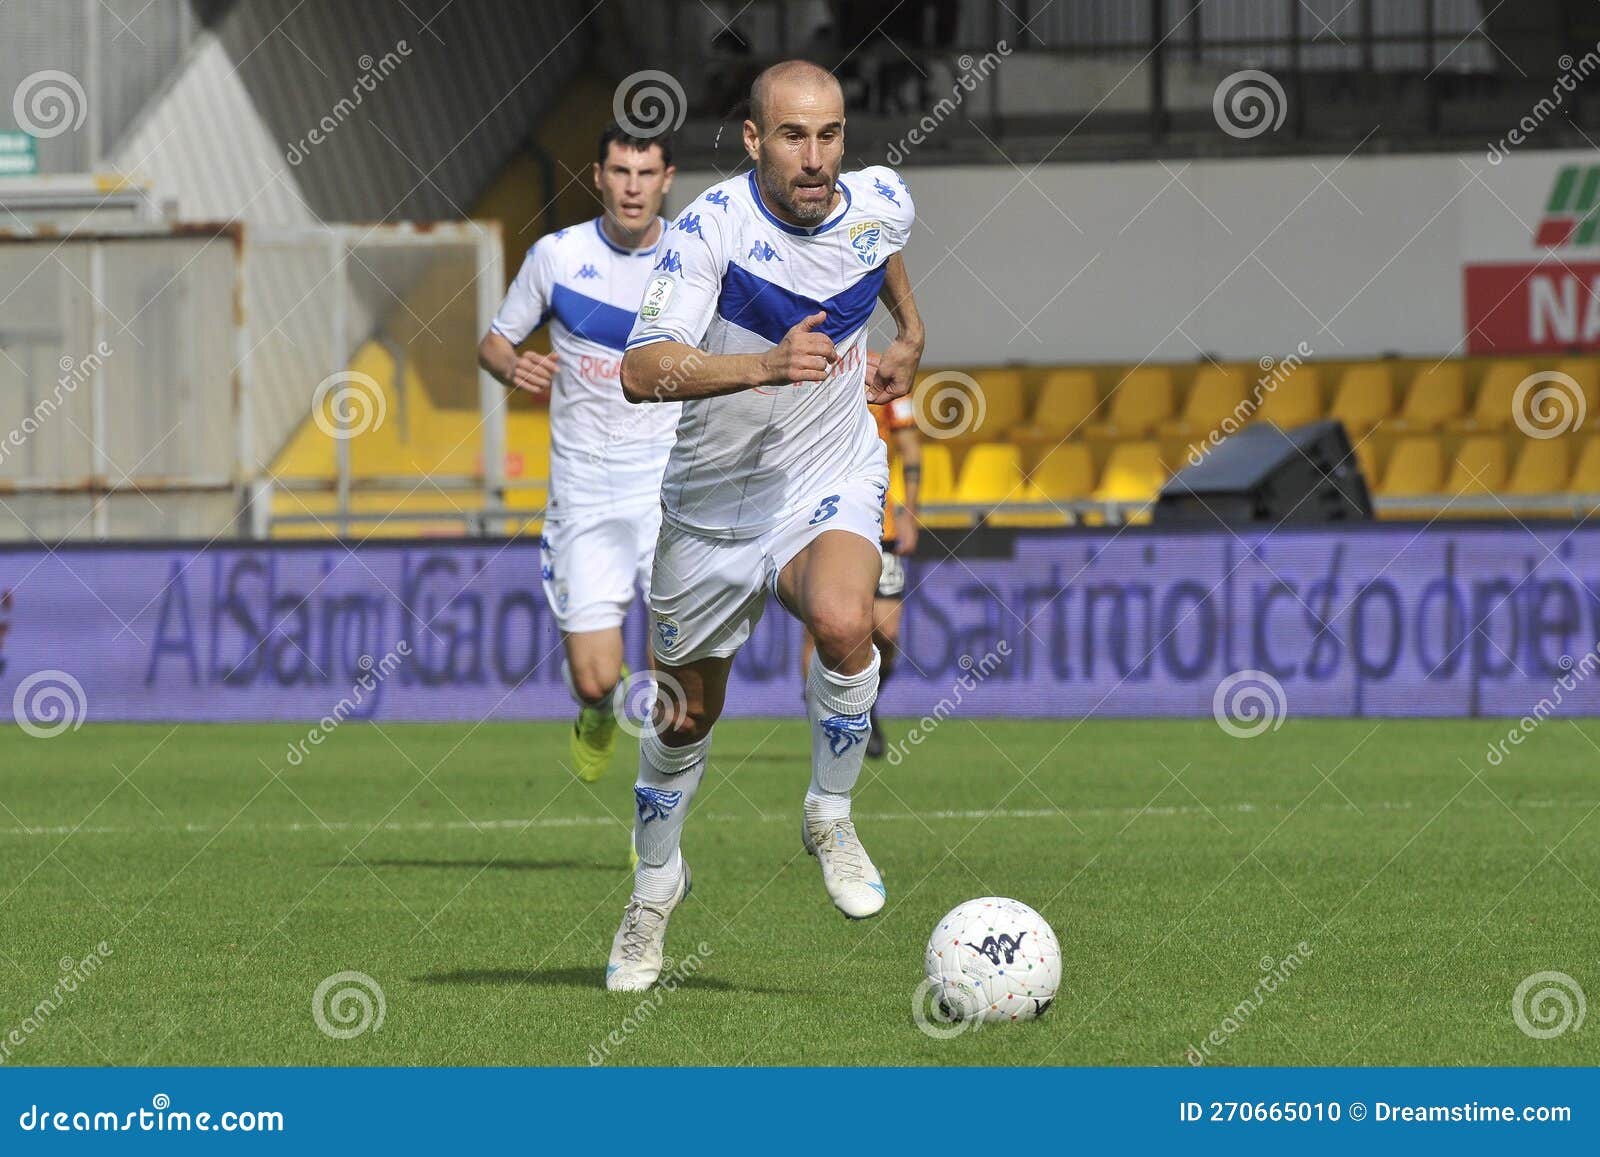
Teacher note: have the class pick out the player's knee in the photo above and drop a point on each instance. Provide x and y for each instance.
(843, 635)
(679, 724)
(593, 685)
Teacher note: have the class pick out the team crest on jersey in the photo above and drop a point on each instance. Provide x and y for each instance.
(667, 631)
(656, 296)
(864, 238)
(562, 598)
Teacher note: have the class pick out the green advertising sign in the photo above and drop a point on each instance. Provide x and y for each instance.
(19, 154)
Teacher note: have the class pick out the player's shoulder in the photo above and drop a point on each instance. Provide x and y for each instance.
(879, 189)
(722, 202)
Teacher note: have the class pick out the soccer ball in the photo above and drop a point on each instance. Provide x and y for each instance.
(993, 959)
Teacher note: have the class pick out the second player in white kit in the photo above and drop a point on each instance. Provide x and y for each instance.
(606, 457)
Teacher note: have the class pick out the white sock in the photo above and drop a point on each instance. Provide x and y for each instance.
(838, 706)
(826, 806)
(658, 885)
(668, 779)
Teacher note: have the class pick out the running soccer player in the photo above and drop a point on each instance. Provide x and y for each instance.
(897, 427)
(756, 319)
(606, 457)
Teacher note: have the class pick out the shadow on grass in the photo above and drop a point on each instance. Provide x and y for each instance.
(587, 977)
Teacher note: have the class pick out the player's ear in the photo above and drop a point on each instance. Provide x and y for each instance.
(752, 140)
(666, 178)
(598, 187)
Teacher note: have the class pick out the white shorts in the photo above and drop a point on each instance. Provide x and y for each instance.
(591, 562)
(707, 594)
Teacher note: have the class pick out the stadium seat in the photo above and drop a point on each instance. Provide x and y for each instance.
(1294, 401)
(1136, 405)
(1480, 467)
(942, 404)
(1133, 473)
(1364, 398)
(1416, 466)
(1493, 409)
(1065, 474)
(992, 473)
(1215, 393)
(1370, 458)
(1586, 474)
(1066, 402)
(938, 483)
(1437, 394)
(1586, 372)
(1542, 467)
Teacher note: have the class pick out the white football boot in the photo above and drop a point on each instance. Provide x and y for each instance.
(636, 949)
(847, 872)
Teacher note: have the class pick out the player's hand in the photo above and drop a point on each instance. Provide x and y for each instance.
(535, 373)
(905, 533)
(894, 372)
(803, 355)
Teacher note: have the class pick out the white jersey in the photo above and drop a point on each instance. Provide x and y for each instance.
(605, 452)
(733, 279)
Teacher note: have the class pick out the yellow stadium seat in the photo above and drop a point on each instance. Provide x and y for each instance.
(1493, 409)
(938, 483)
(948, 406)
(1138, 403)
(1216, 393)
(1586, 474)
(1066, 402)
(1364, 398)
(1294, 401)
(1437, 394)
(1133, 473)
(1586, 372)
(1480, 467)
(1416, 466)
(992, 473)
(1542, 467)
(1370, 459)
(1065, 473)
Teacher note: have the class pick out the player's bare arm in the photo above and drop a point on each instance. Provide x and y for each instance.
(533, 372)
(897, 367)
(669, 371)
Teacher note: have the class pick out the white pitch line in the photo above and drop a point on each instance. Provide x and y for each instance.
(548, 822)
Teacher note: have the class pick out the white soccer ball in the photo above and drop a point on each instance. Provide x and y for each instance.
(993, 959)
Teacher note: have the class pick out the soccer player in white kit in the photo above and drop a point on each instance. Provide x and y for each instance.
(756, 319)
(606, 457)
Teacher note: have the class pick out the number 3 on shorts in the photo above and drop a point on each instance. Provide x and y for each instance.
(828, 507)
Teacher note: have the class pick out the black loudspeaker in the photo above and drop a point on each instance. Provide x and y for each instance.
(1264, 474)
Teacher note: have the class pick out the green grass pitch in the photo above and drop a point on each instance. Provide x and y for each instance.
(478, 885)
